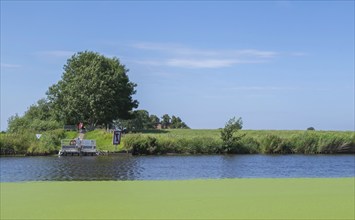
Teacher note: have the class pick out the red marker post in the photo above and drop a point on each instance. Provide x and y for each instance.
(116, 140)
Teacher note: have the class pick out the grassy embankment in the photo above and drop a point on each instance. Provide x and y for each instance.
(253, 141)
(27, 143)
(191, 141)
(205, 199)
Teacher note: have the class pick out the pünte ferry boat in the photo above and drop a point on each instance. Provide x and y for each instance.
(78, 147)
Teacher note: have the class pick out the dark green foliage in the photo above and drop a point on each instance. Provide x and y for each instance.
(232, 141)
(48, 143)
(165, 121)
(42, 110)
(250, 145)
(272, 144)
(141, 120)
(94, 89)
(177, 123)
(311, 129)
(43, 125)
(154, 120)
(27, 143)
(38, 118)
(16, 143)
(142, 145)
(17, 123)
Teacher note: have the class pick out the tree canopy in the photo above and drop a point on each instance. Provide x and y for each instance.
(38, 117)
(176, 122)
(94, 89)
(142, 120)
(231, 142)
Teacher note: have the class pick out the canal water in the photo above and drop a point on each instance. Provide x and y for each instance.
(127, 167)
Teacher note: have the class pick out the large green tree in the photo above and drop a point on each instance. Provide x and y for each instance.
(154, 120)
(94, 89)
(176, 122)
(165, 121)
(141, 120)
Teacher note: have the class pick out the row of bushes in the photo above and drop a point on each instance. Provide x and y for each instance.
(310, 142)
(27, 143)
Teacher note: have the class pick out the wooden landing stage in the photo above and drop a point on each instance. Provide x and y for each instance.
(78, 147)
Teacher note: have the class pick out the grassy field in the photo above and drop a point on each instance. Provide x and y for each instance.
(263, 141)
(191, 141)
(192, 199)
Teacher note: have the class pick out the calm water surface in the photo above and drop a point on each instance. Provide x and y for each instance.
(127, 167)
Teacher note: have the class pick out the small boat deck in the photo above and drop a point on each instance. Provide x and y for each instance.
(78, 147)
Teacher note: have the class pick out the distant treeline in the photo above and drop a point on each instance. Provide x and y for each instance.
(142, 120)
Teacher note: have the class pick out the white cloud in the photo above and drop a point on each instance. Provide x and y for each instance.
(174, 49)
(184, 57)
(207, 63)
(254, 53)
(262, 88)
(7, 65)
(203, 63)
(179, 49)
(195, 63)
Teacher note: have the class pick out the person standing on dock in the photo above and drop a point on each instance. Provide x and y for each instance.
(80, 127)
(78, 144)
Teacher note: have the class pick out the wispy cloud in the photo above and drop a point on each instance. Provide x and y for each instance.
(185, 57)
(183, 50)
(262, 88)
(56, 53)
(196, 63)
(175, 49)
(206, 63)
(8, 65)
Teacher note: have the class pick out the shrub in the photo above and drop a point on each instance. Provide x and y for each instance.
(26, 142)
(48, 143)
(306, 143)
(140, 144)
(329, 144)
(16, 143)
(251, 145)
(231, 142)
(273, 144)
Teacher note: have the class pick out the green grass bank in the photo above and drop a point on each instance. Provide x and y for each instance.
(192, 199)
(191, 141)
(188, 141)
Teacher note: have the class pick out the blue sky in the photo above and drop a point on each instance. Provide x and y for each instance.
(276, 64)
